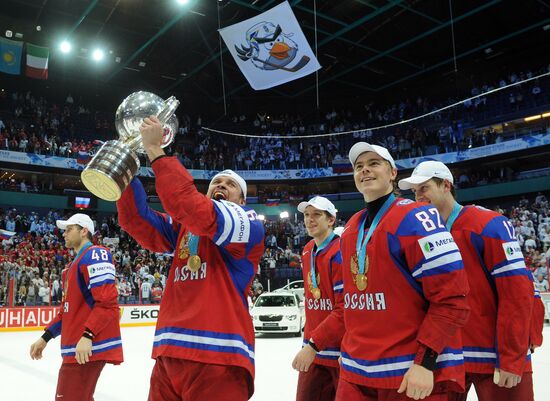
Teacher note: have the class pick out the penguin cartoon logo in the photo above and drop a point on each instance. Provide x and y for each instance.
(270, 49)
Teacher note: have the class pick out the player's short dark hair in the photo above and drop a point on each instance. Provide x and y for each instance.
(439, 182)
(329, 216)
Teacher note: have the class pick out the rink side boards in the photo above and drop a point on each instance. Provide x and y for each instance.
(546, 301)
(36, 318)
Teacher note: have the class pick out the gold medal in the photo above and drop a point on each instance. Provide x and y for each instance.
(361, 282)
(194, 263)
(316, 293)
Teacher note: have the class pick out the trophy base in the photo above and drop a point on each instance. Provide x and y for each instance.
(101, 185)
(110, 171)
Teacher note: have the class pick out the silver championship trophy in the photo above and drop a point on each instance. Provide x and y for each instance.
(116, 162)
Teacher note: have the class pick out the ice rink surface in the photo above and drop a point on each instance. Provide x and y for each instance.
(22, 379)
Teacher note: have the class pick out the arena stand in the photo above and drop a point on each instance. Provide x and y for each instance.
(31, 260)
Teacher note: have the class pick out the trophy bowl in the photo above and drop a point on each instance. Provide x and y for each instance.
(116, 162)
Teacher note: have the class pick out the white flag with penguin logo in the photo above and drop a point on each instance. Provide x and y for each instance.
(270, 49)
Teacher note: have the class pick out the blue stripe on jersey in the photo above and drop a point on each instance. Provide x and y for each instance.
(158, 221)
(441, 264)
(204, 340)
(97, 347)
(480, 355)
(86, 293)
(331, 353)
(396, 253)
(102, 279)
(337, 257)
(224, 224)
(479, 246)
(242, 271)
(106, 280)
(397, 366)
(55, 329)
(513, 268)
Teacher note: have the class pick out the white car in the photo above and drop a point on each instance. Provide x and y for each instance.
(297, 287)
(278, 312)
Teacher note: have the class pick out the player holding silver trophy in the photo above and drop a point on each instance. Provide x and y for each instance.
(116, 163)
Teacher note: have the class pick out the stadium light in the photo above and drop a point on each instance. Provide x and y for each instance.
(532, 118)
(284, 215)
(98, 54)
(65, 47)
(182, 2)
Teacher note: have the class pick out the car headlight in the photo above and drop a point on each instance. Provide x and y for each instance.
(291, 317)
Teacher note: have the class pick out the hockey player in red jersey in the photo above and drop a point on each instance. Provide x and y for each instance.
(497, 345)
(204, 339)
(88, 319)
(404, 293)
(317, 362)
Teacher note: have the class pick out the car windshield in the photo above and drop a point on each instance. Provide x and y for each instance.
(278, 300)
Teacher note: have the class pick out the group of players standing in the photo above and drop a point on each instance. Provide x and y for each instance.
(424, 298)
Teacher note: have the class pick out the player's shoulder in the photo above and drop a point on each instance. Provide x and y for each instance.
(482, 220)
(354, 220)
(96, 254)
(308, 248)
(404, 211)
(237, 211)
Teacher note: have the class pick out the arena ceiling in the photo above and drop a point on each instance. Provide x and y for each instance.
(367, 48)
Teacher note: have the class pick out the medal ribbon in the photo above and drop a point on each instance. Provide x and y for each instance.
(314, 254)
(454, 214)
(193, 244)
(362, 240)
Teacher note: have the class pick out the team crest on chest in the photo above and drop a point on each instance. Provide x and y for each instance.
(183, 250)
(360, 279)
(315, 291)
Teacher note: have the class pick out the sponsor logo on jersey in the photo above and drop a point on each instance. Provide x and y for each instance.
(99, 269)
(512, 250)
(437, 244)
(404, 202)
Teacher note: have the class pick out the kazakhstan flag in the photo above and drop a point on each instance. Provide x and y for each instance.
(10, 56)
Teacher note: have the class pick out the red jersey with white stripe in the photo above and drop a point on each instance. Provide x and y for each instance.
(90, 301)
(204, 315)
(501, 293)
(415, 298)
(324, 315)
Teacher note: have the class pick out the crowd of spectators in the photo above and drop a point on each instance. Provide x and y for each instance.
(35, 256)
(68, 128)
(531, 220)
(441, 132)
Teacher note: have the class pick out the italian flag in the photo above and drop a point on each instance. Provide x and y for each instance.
(37, 62)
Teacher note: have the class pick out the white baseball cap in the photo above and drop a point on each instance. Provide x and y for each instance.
(426, 171)
(361, 147)
(318, 202)
(80, 219)
(235, 176)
